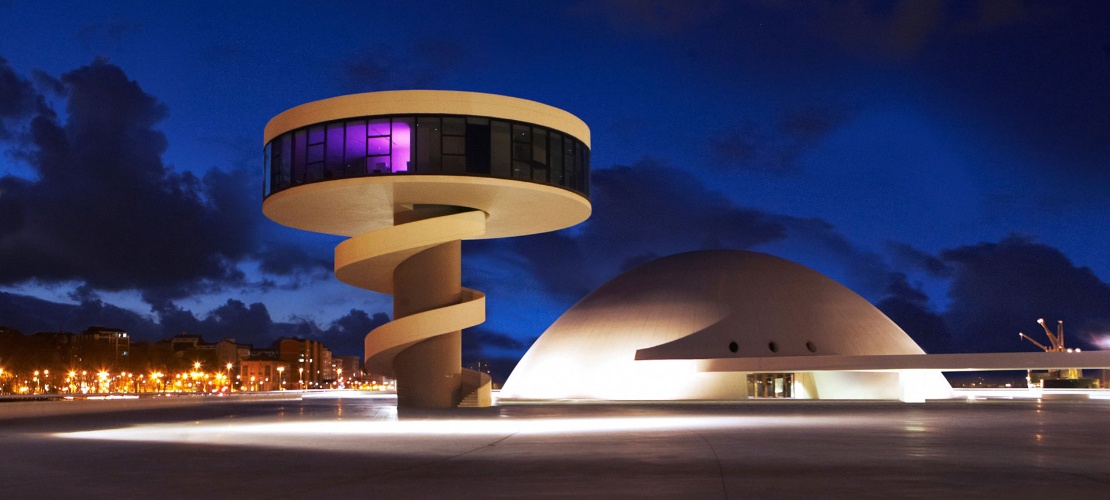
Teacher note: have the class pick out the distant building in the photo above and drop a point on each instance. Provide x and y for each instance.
(309, 362)
(104, 345)
(347, 367)
(230, 351)
(184, 341)
(263, 375)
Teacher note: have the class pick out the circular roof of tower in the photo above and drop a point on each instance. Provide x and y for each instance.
(344, 165)
(453, 102)
(698, 305)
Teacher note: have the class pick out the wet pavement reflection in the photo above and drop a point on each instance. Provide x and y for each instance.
(326, 445)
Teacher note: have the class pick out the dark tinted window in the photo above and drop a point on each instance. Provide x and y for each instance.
(425, 144)
(500, 148)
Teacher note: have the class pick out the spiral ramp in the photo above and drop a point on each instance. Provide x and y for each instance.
(371, 260)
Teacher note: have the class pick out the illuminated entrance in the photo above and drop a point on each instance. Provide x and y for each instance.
(771, 385)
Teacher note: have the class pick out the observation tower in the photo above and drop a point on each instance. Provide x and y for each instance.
(408, 175)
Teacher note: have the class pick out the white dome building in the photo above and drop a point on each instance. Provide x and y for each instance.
(667, 330)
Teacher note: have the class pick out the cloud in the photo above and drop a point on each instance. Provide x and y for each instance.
(252, 323)
(18, 99)
(107, 34)
(999, 289)
(348, 333)
(900, 30)
(907, 257)
(752, 147)
(382, 67)
(497, 352)
(909, 308)
(105, 209)
(650, 210)
(645, 208)
(246, 323)
(30, 314)
(651, 17)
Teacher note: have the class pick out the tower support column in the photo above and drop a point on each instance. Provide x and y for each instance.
(429, 373)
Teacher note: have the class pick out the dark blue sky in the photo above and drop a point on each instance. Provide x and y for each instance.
(949, 161)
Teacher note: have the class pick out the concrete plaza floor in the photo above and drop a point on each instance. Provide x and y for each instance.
(325, 446)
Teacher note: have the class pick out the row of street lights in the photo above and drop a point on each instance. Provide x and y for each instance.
(102, 381)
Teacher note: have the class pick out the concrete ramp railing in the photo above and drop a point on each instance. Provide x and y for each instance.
(386, 341)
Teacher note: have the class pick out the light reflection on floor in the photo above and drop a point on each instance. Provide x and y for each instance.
(325, 446)
(221, 432)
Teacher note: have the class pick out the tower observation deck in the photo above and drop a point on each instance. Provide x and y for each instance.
(408, 175)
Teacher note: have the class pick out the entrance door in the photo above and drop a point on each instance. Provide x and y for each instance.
(771, 385)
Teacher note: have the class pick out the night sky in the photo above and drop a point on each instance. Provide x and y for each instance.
(948, 161)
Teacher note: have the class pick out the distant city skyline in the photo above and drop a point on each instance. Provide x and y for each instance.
(101, 359)
(946, 161)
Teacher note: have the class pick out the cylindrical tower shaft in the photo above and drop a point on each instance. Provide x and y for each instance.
(429, 372)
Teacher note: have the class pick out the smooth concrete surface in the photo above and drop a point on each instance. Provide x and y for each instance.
(349, 207)
(901, 362)
(429, 373)
(411, 102)
(326, 446)
(646, 333)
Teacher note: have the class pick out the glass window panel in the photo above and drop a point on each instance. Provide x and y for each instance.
(500, 149)
(539, 174)
(299, 148)
(454, 164)
(522, 133)
(568, 161)
(378, 164)
(378, 126)
(355, 167)
(476, 120)
(454, 125)
(428, 145)
(316, 134)
(286, 161)
(539, 146)
(314, 171)
(556, 147)
(477, 147)
(578, 167)
(355, 156)
(315, 153)
(402, 145)
(522, 170)
(522, 151)
(377, 145)
(584, 184)
(267, 169)
(453, 145)
(334, 155)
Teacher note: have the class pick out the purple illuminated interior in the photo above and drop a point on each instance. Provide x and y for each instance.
(402, 146)
(449, 145)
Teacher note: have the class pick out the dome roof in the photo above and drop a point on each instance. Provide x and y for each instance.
(691, 306)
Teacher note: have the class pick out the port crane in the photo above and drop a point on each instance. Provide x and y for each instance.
(1068, 377)
(1056, 341)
